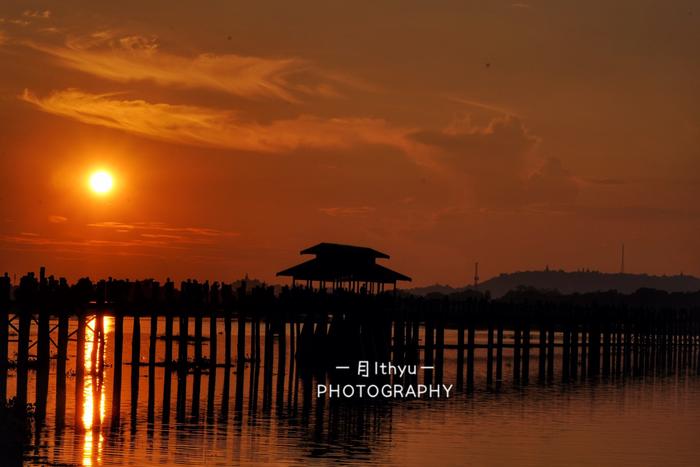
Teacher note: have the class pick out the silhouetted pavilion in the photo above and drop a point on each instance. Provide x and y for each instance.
(344, 267)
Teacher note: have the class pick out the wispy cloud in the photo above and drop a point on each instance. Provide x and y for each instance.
(15, 21)
(33, 239)
(133, 57)
(160, 230)
(124, 238)
(214, 127)
(43, 14)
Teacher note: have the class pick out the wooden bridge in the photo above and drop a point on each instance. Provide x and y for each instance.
(303, 334)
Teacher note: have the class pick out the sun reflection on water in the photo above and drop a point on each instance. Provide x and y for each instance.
(94, 390)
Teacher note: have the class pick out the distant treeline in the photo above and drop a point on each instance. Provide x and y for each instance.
(571, 282)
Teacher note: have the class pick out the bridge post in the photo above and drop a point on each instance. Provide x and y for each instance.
(61, 359)
(117, 369)
(489, 353)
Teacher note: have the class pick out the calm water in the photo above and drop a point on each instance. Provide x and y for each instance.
(653, 421)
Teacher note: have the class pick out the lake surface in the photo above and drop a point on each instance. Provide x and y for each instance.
(638, 421)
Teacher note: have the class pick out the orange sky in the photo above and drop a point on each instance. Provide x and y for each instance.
(516, 134)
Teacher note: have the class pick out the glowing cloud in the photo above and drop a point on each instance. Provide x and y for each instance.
(204, 126)
(134, 57)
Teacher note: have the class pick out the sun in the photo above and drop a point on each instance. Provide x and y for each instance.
(101, 182)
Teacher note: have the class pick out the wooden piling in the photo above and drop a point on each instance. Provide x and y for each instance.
(606, 351)
(211, 380)
(516, 353)
(573, 364)
(526, 354)
(182, 367)
(460, 353)
(489, 353)
(428, 351)
(565, 353)
(627, 351)
(135, 365)
(551, 337)
(227, 339)
(542, 354)
(61, 359)
(594, 351)
(268, 362)
(499, 353)
(153, 335)
(43, 364)
(117, 369)
(80, 371)
(23, 355)
(584, 351)
(439, 350)
(471, 344)
(168, 366)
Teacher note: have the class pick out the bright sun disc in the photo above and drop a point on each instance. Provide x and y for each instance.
(101, 182)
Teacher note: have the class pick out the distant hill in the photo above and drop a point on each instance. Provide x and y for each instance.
(570, 282)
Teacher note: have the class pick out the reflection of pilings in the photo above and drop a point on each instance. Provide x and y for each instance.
(573, 364)
(152, 368)
(227, 339)
(23, 356)
(117, 375)
(566, 349)
(268, 359)
(240, 365)
(79, 371)
(197, 373)
(135, 367)
(61, 359)
(526, 354)
(255, 365)
(542, 354)
(225, 394)
(471, 346)
(489, 354)
(627, 351)
(292, 360)
(182, 368)
(499, 353)
(167, 377)
(43, 363)
(211, 380)
(196, 392)
(594, 351)
(240, 348)
(281, 361)
(97, 369)
(226, 390)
